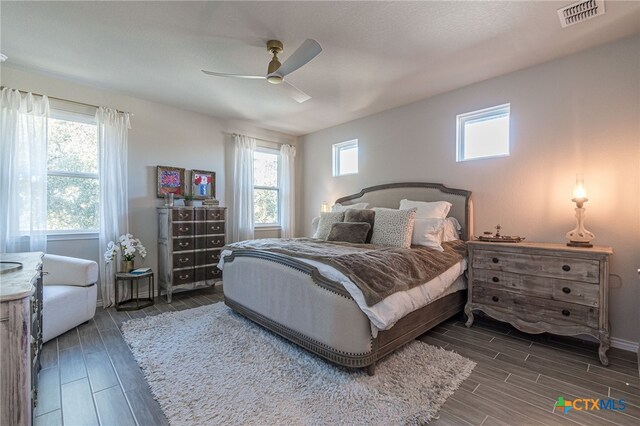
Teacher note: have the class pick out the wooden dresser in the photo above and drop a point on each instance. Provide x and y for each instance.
(542, 287)
(20, 337)
(189, 243)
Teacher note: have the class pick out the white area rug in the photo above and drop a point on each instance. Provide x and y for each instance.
(209, 366)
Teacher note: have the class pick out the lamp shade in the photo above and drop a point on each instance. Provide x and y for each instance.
(325, 207)
(579, 189)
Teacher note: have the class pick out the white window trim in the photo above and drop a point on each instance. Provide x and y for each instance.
(85, 117)
(278, 225)
(336, 148)
(498, 111)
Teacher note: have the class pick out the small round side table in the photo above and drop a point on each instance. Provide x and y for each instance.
(134, 302)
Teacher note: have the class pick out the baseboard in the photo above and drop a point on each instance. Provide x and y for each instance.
(626, 345)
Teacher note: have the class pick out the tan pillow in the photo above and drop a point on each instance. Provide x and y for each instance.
(324, 225)
(393, 227)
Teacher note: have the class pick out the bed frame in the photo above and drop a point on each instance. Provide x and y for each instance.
(293, 272)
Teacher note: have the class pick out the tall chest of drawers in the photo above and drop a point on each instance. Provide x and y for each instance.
(542, 287)
(189, 244)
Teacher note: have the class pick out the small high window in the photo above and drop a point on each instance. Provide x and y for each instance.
(483, 133)
(345, 158)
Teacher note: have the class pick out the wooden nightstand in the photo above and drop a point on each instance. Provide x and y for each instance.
(542, 287)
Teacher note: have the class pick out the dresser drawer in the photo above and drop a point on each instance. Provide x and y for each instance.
(207, 257)
(182, 215)
(210, 228)
(183, 276)
(544, 266)
(530, 285)
(181, 229)
(213, 241)
(181, 244)
(215, 214)
(183, 259)
(535, 309)
(213, 273)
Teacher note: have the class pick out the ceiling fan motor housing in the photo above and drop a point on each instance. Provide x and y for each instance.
(275, 47)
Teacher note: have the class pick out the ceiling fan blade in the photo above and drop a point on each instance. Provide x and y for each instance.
(306, 52)
(221, 74)
(294, 93)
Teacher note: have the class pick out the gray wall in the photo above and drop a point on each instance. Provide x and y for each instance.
(578, 114)
(160, 135)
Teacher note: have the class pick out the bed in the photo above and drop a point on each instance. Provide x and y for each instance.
(298, 300)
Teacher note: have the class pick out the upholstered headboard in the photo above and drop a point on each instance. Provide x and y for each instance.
(389, 195)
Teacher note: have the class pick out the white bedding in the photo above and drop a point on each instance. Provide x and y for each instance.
(384, 314)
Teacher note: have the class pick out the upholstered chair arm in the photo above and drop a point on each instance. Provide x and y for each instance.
(63, 270)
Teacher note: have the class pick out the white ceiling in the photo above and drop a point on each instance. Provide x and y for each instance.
(377, 55)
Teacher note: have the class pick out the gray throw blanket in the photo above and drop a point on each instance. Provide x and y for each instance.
(378, 271)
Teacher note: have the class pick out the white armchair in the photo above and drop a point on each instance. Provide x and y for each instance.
(69, 293)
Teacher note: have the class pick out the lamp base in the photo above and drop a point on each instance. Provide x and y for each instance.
(579, 244)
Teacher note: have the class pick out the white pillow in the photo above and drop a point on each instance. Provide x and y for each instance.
(340, 208)
(426, 210)
(451, 230)
(393, 227)
(327, 219)
(428, 233)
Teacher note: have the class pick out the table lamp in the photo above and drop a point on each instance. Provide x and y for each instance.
(325, 207)
(579, 236)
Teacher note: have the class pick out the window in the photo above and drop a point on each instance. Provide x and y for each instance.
(345, 158)
(266, 188)
(72, 173)
(484, 133)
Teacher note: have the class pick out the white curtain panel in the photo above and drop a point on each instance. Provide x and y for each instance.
(242, 214)
(23, 171)
(113, 128)
(287, 190)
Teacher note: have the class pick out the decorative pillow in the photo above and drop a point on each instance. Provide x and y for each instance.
(437, 209)
(428, 233)
(451, 230)
(324, 225)
(393, 227)
(340, 208)
(368, 216)
(349, 232)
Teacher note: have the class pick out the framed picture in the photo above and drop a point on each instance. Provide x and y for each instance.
(171, 181)
(203, 184)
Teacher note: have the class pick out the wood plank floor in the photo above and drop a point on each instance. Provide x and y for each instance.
(89, 375)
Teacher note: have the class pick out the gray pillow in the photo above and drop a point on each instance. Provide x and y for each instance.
(349, 232)
(393, 227)
(324, 225)
(368, 216)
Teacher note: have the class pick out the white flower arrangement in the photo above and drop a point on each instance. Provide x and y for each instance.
(127, 246)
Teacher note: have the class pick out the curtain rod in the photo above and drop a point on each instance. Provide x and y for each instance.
(263, 140)
(65, 100)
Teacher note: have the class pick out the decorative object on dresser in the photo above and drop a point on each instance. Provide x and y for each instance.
(579, 236)
(170, 181)
(542, 287)
(189, 243)
(20, 337)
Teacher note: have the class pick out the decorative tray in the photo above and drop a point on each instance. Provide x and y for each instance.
(500, 238)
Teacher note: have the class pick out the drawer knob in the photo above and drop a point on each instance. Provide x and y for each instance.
(183, 229)
(566, 268)
(184, 244)
(495, 260)
(566, 312)
(495, 298)
(215, 228)
(185, 260)
(184, 277)
(566, 290)
(495, 279)
(182, 216)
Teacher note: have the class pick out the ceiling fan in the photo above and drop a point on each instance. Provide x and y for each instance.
(277, 71)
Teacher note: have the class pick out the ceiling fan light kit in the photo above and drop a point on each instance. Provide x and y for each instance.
(277, 71)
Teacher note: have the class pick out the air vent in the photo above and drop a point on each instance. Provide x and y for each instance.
(580, 11)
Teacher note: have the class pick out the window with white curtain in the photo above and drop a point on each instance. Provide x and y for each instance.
(72, 173)
(266, 187)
